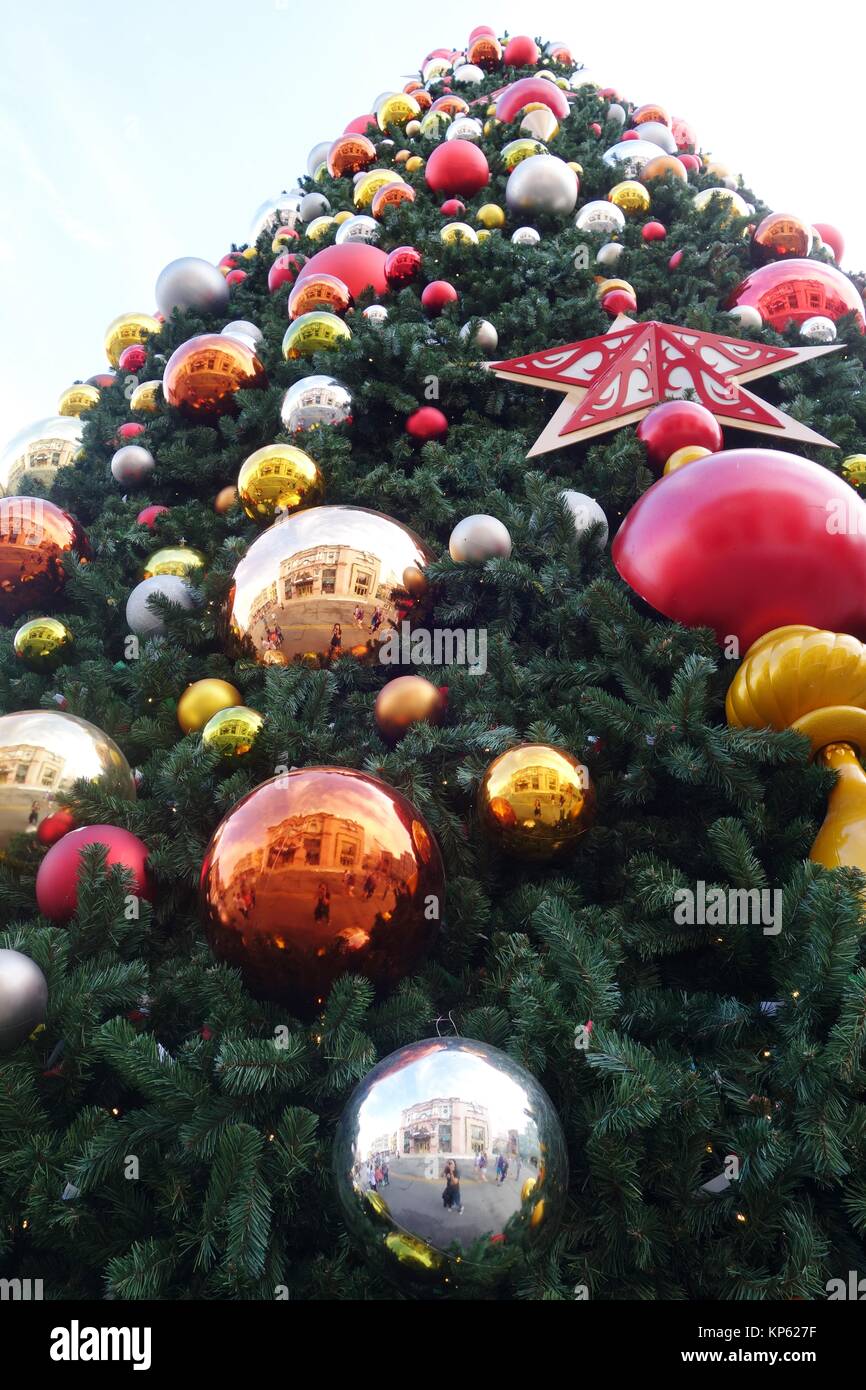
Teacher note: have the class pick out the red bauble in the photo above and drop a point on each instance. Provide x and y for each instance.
(285, 270)
(683, 133)
(527, 90)
(458, 166)
(229, 260)
(132, 359)
(619, 302)
(359, 125)
(147, 517)
(673, 425)
(477, 32)
(595, 128)
(792, 291)
(630, 135)
(832, 237)
(746, 541)
(691, 161)
(236, 277)
(653, 231)
(520, 52)
(131, 430)
(356, 263)
(57, 878)
(402, 265)
(53, 828)
(675, 260)
(427, 423)
(452, 207)
(437, 295)
(102, 380)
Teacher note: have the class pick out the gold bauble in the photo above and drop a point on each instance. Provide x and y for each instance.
(630, 196)
(249, 253)
(490, 215)
(854, 468)
(43, 753)
(483, 235)
(434, 124)
(733, 205)
(147, 397)
(517, 150)
(77, 399)
(43, 644)
(368, 185)
(232, 731)
(414, 164)
(225, 500)
(342, 216)
(397, 110)
(315, 332)
(536, 801)
(319, 227)
(405, 701)
(181, 560)
(127, 329)
(277, 479)
(575, 167)
(688, 454)
(716, 169)
(456, 232)
(202, 700)
(604, 287)
(663, 166)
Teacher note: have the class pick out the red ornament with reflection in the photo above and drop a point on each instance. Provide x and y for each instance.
(54, 827)
(402, 266)
(131, 430)
(674, 425)
(748, 540)
(285, 270)
(57, 877)
(133, 358)
(35, 535)
(792, 291)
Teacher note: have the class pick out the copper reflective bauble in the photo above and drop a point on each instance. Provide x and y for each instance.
(477, 1168)
(202, 375)
(317, 872)
(793, 290)
(42, 754)
(40, 449)
(405, 701)
(320, 291)
(779, 236)
(35, 535)
(536, 801)
(325, 583)
(349, 154)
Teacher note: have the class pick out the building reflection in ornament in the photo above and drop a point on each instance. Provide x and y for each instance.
(39, 451)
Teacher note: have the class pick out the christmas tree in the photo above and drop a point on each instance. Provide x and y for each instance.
(167, 1119)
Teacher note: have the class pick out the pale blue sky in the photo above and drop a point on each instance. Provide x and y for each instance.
(132, 134)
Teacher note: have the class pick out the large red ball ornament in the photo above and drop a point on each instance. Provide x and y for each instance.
(57, 878)
(792, 291)
(619, 302)
(437, 296)
(35, 537)
(148, 515)
(285, 270)
(427, 423)
(520, 52)
(402, 265)
(458, 167)
(356, 263)
(529, 90)
(673, 425)
(204, 374)
(748, 540)
(54, 827)
(832, 237)
(132, 359)
(654, 231)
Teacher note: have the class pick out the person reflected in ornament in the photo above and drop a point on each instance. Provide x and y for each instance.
(33, 818)
(371, 1177)
(482, 1167)
(322, 911)
(536, 810)
(349, 882)
(376, 620)
(386, 1176)
(369, 886)
(453, 1181)
(336, 641)
(358, 615)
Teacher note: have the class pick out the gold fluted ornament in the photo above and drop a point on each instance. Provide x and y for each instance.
(536, 801)
(77, 399)
(43, 644)
(232, 732)
(182, 560)
(278, 479)
(202, 700)
(814, 681)
(127, 329)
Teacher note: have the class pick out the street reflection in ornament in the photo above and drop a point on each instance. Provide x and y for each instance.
(536, 801)
(795, 289)
(276, 479)
(40, 449)
(317, 872)
(451, 1166)
(202, 375)
(42, 754)
(315, 401)
(325, 583)
(35, 535)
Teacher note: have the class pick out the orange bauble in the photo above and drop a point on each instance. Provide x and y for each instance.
(319, 872)
(203, 375)
(319, 291)
(350, 153)
(662, 166)
(225, 499)
(405, 701)
(35, 535)
(779, 236)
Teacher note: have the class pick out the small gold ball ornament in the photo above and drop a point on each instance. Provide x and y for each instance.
(278, 479)
(405, 701)
(231, 732)
(202, 700)
(182, 560)
(42, 644)
(127, 329)
(77, 399)
(536, 801)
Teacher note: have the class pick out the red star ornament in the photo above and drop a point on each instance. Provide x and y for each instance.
(617, 378)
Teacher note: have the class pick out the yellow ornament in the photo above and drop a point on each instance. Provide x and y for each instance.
(854, 468)
(413, 128)
(321, 172)
(517, 150)
(43, 644)
(630, 196)
(283, 236)
(433, 125)
(202, 700)
(249, 253)
(231, 732)
(608, 286)
(536, 801)
(369, 184)
(733, 205)
(575, 167)
(276, 480)
(688, 454)
(457, 232)
(318, 331)
(414, 163)
(490, 215)
(716, 169)
(397, 109)
(319, 227)
(483, 235)
(147, 397)
(77, 399)
(181, 560)
(127, 329)
(342, 216)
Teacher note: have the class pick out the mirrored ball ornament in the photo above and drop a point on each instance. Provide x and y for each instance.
(535, 802)
(542, 183)
(132, 465)
(315, 402)
(203, 375)
(359, 227)
(244, 331)
(586, 514)
(376, 314)
(478, 538)
(318, 872)
(282, 211)
(23, 998)
(37, 452)
(43, 644)
(600, 216)
(818, 329)
(313, 205)
(526, 236)
(628, 157)
(191, 283)
(35, 537)
(473, 1164)
(232, 732)
(276, 480)
(42, 754)
(324, 583)
(609, 255)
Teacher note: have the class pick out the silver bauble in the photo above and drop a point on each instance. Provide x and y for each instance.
(629, 156)
(465, 128)
(818, 329)
(585, 513)
(616, 114)
(244, 331)
(313, 205)
(600, 216)
(132, 465)
(479, 537)
(481, 333)
(609, 254)
(318, 155)
(526, 236)
(440, 1106)
(376, 314)
(282, 211)
(657, 134)
(23, 998)
(542, 183)
(314, 401)
(41, 449)
(143, 621)
(540, 124)
(746, 315)
(360, 227)
(468, 72)
(191, 283)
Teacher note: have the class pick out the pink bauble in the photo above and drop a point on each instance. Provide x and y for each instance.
(531, 89)
(427, 423)
(831, 236)
(520, 52)
(359, 125)
(132, 359)
(458, 167)
(653, 231)
(285, 270)
(57, 877)
(147, 517)
(356, 263)
(437, 295)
